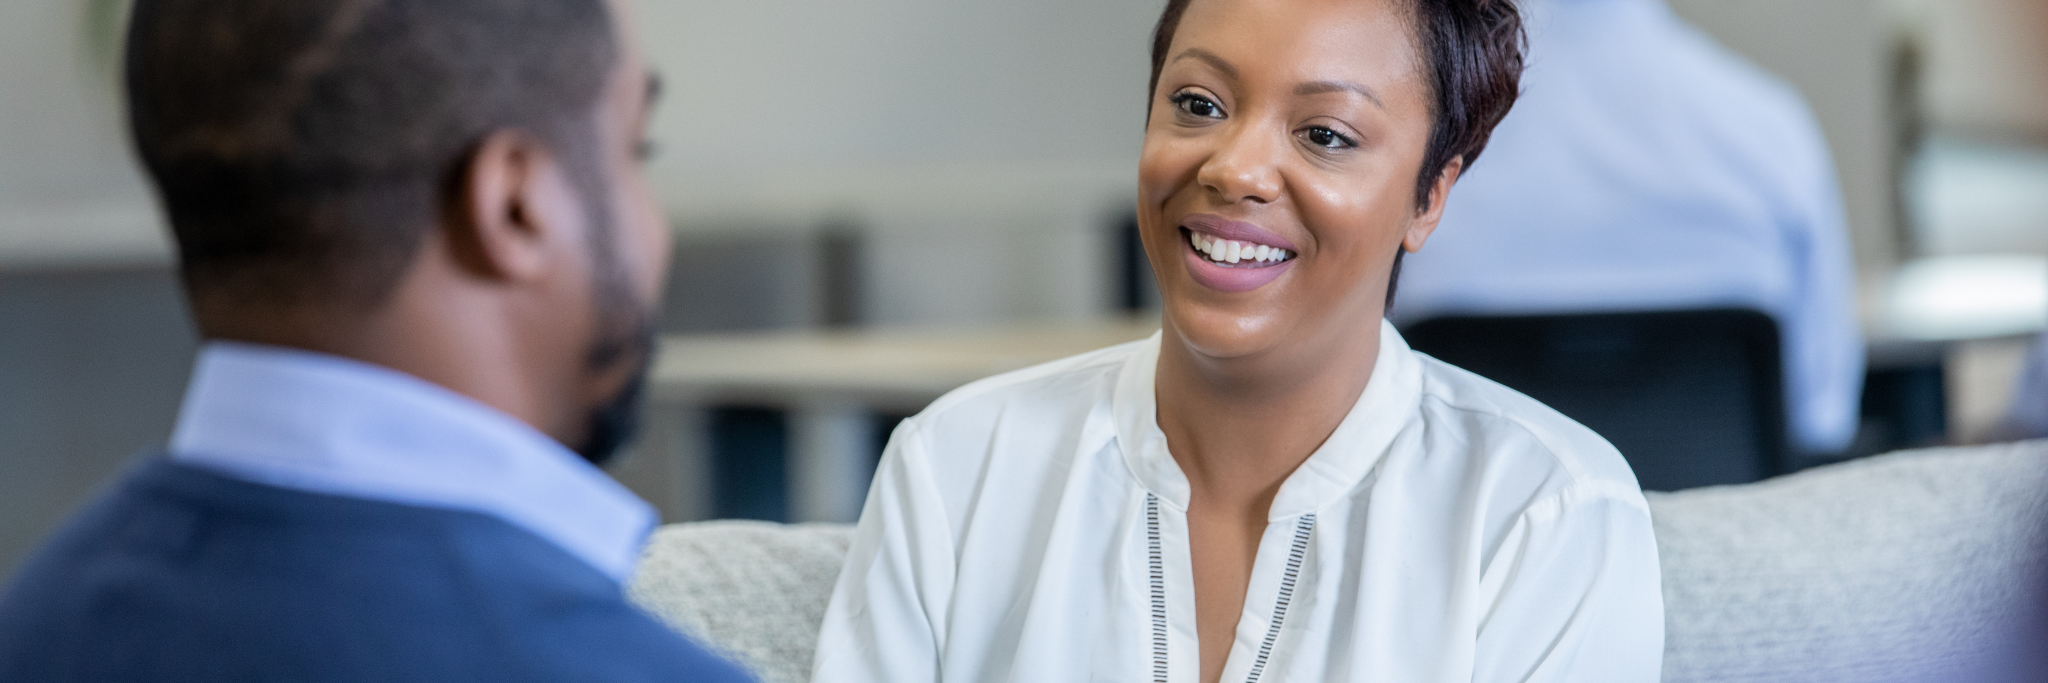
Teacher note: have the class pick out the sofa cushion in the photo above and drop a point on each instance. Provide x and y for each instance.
(1903, 567)
(752, 591)
(1900, 567)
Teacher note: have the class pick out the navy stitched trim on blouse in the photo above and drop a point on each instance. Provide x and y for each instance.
(1296, 554)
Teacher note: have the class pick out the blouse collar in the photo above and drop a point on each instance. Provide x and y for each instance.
(1335, 469)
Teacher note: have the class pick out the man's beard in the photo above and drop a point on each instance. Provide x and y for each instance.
(626, 332)
(615, 423)
(626, 335)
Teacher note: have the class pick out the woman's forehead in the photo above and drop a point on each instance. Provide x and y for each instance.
(1300, 41)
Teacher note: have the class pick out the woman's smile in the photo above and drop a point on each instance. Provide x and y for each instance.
(1279, 178)
(1233, 256)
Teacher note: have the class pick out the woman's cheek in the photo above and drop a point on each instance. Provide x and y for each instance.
(1354, 219)
(1162, 170)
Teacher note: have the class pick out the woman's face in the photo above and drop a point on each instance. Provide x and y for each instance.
(1279, 169)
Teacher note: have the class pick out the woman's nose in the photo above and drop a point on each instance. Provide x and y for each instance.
(1245, 167)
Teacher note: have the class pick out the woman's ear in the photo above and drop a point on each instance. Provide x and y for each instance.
(1429, 215)
(510, 205)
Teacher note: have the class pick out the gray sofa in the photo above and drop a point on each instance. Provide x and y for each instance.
(1913, 566)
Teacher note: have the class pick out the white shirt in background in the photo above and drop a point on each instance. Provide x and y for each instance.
(1033, 527)
(1647, 168)
(2028, 417)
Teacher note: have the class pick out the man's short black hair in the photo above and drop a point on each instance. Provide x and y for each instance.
(302, 148)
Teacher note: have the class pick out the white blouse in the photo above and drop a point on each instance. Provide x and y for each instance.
(1032, 527)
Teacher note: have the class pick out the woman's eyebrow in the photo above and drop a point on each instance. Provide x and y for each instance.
(1210, 58)
(1320, 87)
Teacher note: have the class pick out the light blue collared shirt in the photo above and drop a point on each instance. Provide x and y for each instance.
(325, 424)
(1646, 167)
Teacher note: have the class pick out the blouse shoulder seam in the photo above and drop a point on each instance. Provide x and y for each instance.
(1584, 493)
(1550, 439)
(1543, 437)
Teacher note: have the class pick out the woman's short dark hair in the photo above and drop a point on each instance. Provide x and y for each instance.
(1473, 50)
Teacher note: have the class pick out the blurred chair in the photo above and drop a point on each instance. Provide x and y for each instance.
(1905, 399)
(1691, 398)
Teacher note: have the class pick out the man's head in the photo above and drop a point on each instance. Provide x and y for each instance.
(441, 186)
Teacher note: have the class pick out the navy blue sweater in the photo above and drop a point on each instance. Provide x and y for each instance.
(178, 574)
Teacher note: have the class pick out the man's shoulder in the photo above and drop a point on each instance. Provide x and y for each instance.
(188, 575)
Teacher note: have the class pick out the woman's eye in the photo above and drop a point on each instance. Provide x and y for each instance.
(1197, 105)
(1327, 139)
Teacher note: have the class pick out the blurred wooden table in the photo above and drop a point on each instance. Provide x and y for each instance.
(831, 384)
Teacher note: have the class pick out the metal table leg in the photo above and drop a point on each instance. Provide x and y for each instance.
(670, 466)
(831, 461)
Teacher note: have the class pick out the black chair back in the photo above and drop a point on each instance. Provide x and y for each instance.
(1691, 398)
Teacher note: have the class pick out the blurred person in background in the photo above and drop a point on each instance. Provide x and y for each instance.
(1648, 168)
(1274, 487)
(2028, 417)
(417, 240)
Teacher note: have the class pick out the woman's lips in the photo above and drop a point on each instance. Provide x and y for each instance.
(1240, 231)
(1232, 256)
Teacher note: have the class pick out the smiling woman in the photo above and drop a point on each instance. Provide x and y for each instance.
(1274, 487)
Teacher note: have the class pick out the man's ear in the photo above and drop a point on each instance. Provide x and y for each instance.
(510, 209)
(1427, 218)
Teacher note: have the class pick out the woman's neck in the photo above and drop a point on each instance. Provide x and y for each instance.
(1239, 426)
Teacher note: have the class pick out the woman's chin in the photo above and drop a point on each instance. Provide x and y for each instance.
(1225, 332)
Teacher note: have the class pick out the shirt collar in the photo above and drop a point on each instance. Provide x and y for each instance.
(326, 424)
(1386, 406)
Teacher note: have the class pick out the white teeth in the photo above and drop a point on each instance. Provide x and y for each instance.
(1233, 251)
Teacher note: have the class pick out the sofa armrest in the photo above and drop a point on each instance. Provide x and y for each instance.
(752, 591)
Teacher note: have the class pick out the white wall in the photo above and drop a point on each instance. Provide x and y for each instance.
(985, 144)
(939, 121)
(1004, 126)
(1987, 65)
(68, 190)
(815, 92)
